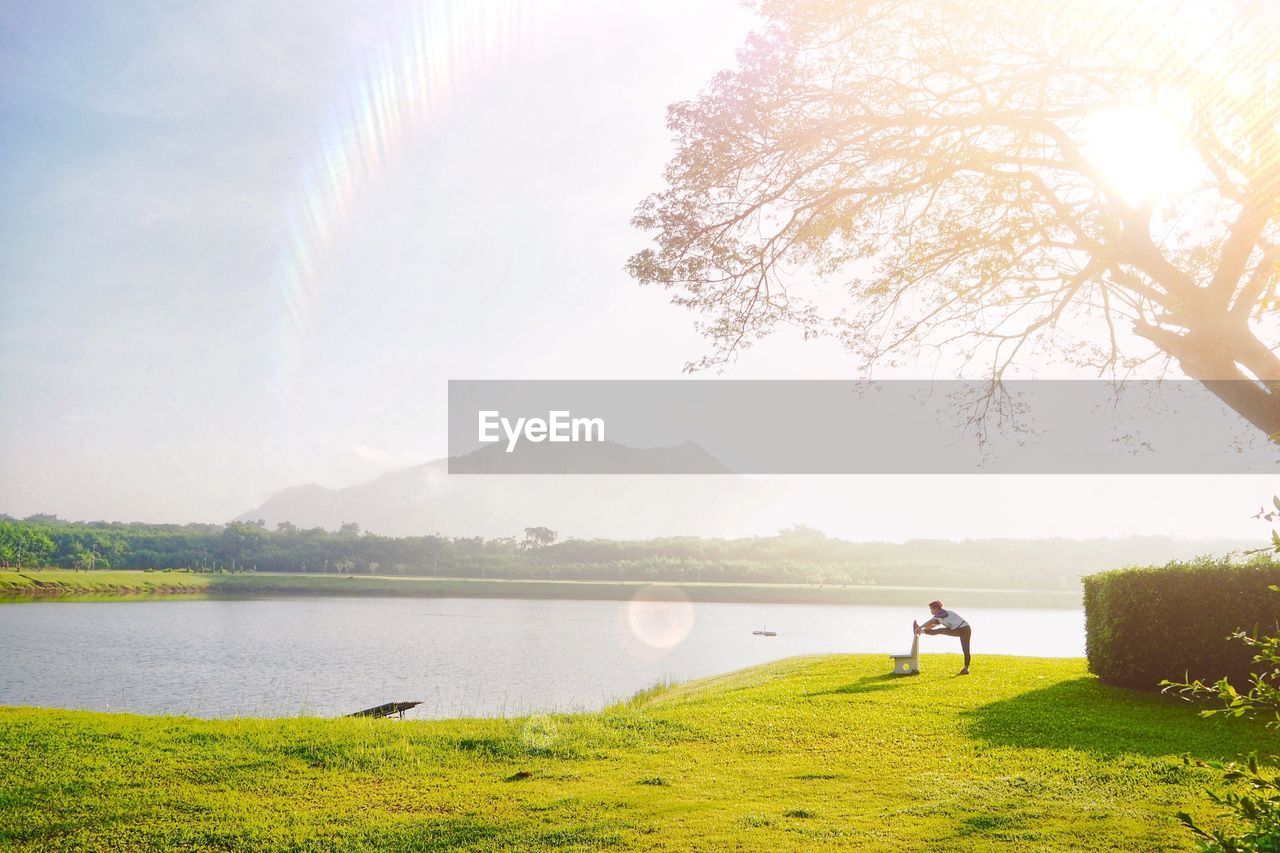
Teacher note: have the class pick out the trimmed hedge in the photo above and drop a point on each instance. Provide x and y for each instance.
(1143, 625)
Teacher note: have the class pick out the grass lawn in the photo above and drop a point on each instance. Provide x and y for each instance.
(57, 583)
(1025, 754)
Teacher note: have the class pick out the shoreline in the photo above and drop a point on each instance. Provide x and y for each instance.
(123, 585)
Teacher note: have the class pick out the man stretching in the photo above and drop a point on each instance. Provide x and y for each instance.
(953, 625)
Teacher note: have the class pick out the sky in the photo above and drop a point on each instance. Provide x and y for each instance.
(245, 246)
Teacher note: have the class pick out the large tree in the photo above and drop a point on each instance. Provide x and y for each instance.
(935, 166)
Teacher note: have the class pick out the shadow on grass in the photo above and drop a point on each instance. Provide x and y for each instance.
(469, 833)
(432, 834)
(1085, 715)
(868, 684)
(982, 824)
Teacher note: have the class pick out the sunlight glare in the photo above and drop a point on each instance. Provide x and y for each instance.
(1141, 152)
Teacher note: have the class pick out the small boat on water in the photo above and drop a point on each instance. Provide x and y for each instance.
(765, 632)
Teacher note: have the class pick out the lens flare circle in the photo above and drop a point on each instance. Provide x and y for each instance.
(660, 617)
(539, 733)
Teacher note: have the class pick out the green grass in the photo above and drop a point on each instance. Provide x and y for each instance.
(1025, 754)
(64, 583)
(54, 584)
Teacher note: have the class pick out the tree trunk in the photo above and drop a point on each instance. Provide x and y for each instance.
(1251, 401)
(1216, 365)
(1214, 356)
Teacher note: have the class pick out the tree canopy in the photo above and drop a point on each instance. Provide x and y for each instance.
(908, 176)
(796, 555)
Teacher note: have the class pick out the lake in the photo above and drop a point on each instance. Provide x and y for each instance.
(460, 657)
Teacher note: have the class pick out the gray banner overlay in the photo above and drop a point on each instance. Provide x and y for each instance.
(814, 427)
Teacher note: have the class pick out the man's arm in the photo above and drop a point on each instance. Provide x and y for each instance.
(932, 623)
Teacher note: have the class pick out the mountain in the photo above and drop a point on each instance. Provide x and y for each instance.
(704, 500)
(596, 458)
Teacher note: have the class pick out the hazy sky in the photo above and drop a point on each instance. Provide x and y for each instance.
(239, 251)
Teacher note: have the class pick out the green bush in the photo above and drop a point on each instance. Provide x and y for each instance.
(1144, 625)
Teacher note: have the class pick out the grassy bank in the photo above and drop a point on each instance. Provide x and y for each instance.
(60, 583)
(55, 584)
(812, 752)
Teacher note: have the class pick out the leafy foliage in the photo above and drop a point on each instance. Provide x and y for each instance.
(1258, 806)
(907, 176)
(1145, 624)
(1261, 699)
(796, 555)
(538, 537)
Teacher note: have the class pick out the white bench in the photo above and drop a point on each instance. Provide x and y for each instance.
(908, 664)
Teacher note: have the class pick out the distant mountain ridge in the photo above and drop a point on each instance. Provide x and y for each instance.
(426, 499)
(596, 458)
(684, 491)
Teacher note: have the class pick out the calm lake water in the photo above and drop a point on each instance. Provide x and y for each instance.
(461, 657)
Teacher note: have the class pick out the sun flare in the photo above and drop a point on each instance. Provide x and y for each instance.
(1141, 152)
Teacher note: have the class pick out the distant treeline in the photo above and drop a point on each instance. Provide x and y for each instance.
(796, 555)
